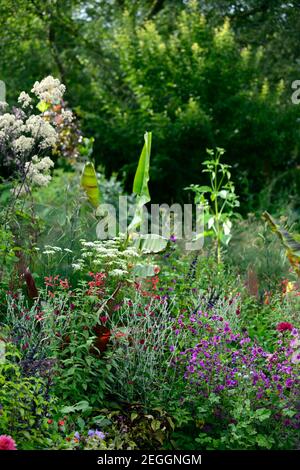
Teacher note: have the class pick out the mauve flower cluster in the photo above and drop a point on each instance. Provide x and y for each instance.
(229, 363)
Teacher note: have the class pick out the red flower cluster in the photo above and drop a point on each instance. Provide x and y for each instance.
(154, 280)
(284, 326)
(54, 282)
(96, 286)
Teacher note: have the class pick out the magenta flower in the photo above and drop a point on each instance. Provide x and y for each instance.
(7, 443)
(284, 326)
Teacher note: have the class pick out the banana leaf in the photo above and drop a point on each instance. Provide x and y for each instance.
(288, 241)
(140, 183)
(90, 184)
(141, 179)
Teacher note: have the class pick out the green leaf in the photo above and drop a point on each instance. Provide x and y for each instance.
(68, 409)
(223, 193)
(152, 243)
(204, 189)
(133, 415)
(140, 184)
(262, 414)
(141, 179)
(90, 184)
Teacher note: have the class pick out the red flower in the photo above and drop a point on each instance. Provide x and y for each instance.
(284, 326)
(64, 283)
(61, 422)
(7, 443)
(50, 421)
(98, 282)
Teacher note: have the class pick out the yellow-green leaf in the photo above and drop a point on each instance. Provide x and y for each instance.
(90, 184)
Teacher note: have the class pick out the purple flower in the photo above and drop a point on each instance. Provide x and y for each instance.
(100, 434)
(77, 435)
(173, 238)
(172, 348)
(289, 383)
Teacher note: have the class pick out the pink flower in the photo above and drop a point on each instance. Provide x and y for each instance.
(7, 443)
(284, 326)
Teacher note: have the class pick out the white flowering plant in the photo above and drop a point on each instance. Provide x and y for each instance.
(107, 256)
(29, 138)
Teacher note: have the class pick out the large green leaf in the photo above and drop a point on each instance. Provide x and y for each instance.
(141, 179)
(288, 241)
(152, 243)
(90, 184)
(140, 184)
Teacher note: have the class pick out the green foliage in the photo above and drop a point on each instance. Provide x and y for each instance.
(121, 63)
(25, 404)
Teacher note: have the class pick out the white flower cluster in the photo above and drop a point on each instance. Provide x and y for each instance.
(41, 130)
(67, 115)
(24, 99)
(49, 90)
(23, 144)
(10, 127)
(37, 171)
(53, 250)
(107, 256)
(21, 135)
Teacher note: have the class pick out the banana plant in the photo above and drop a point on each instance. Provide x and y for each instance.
(147, 243)
(291, 245)
(140, 184)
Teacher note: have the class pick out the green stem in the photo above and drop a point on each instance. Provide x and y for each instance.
(217, 213)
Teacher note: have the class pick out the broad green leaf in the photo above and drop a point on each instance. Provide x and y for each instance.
(90, 184)
(152, 243)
